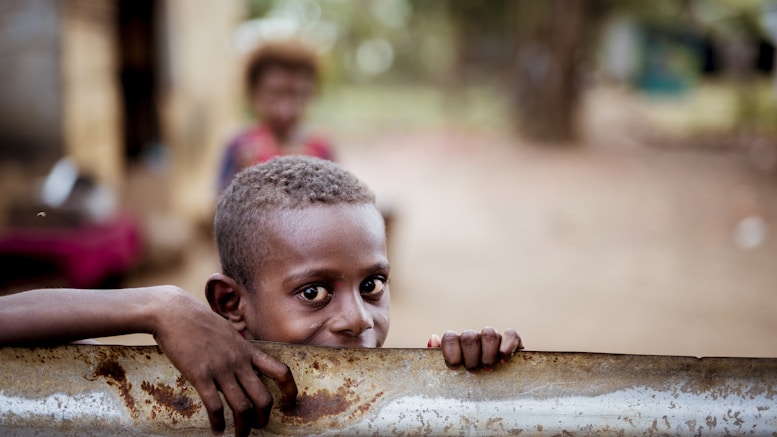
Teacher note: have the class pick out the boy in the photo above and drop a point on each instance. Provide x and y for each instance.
(303, 256)
(280, 78)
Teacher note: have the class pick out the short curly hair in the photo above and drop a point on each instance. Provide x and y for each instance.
(256, 193)
(291, 54)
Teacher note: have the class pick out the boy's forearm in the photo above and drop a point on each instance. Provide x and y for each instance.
(62, 315)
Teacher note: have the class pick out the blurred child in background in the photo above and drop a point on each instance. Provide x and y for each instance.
(281, 77)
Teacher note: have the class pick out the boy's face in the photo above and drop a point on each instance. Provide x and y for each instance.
(324, 281)
(281, 97)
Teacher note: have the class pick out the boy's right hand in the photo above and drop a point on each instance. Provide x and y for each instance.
(476, 350)
(213, 357)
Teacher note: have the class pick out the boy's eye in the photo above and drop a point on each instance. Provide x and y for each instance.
(315, 293)
(372, 286)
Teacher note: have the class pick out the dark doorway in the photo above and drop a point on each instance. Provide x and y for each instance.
(138, 76)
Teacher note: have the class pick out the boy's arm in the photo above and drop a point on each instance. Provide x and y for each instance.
(210, 354)
(475, 349)
(61, 315)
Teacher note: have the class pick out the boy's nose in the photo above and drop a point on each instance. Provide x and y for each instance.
(352, 318)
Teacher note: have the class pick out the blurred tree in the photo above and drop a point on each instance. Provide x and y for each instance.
(536, 50)
(553, 41)
(539, 51)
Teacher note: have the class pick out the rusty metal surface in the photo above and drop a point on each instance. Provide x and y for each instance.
(115, 390)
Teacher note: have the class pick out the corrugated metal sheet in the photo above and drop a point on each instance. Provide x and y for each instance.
(114, 390)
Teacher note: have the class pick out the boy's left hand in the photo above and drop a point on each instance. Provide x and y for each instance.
(484, 349)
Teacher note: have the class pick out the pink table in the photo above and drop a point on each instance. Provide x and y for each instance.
(86, 255)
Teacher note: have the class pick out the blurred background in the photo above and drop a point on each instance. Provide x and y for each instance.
(599, 174)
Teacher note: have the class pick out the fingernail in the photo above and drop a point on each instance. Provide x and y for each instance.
(488, 369)
(429, 343)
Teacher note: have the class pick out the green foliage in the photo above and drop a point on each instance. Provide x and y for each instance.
(417, 33)
(451, 46)
(726, 18)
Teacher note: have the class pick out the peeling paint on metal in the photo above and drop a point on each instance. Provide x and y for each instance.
(62, 407)
(113, 390)
(635, 411)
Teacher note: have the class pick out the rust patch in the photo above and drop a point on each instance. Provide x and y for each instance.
(311, 407)
(114, 375)
(175, 402)
(365, 407)
(111, 370)
(324, 403)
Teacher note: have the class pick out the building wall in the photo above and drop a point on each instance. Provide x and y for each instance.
(200, 97)
(91, 106)
(30, 91)
(60, 92)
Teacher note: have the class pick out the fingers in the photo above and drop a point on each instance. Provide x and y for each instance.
(259, 397)
(511, 342)
(451, 349)
(250, 401)
(278, 372)
(213, 405)
(434, 341)
(229, 367)
(243, 412)
(490, 341)
(470, 349)
(474, 350)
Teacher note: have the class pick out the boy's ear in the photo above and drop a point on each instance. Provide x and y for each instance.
(224, 295)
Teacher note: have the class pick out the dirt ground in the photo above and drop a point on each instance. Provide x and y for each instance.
(613, 245)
